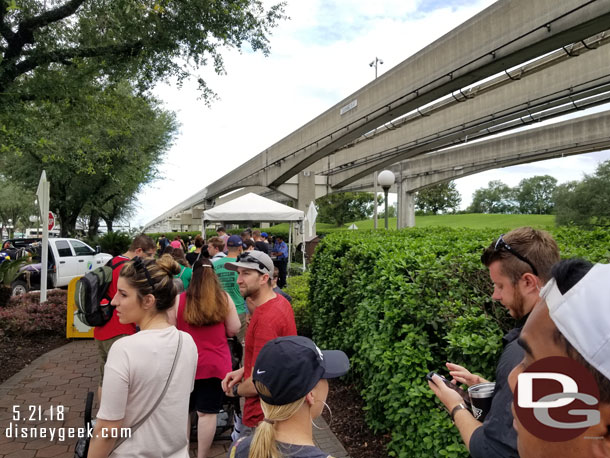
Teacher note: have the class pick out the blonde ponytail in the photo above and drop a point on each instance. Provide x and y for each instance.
(264, 444)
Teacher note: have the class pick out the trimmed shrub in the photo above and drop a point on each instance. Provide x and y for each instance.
(24, 315)
(298, 288)
(115, 243)
(402, 303)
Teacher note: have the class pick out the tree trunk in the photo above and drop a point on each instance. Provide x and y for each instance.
(108, 224)
(94, 225)
(67, 222)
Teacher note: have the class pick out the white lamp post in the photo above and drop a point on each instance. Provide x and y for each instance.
(386, 180)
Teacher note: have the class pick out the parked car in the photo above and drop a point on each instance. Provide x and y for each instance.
(68, 258)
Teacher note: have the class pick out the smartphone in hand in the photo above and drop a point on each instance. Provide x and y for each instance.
(454, 387)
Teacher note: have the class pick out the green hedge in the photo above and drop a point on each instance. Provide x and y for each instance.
(298, 288)
(402, 303)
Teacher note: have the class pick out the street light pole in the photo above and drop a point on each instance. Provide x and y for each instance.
(374, 63)
(386, 180)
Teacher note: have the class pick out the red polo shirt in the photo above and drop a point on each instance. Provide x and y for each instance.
(272, 319)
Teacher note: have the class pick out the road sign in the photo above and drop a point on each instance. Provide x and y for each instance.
(51, 220)
(43, 193)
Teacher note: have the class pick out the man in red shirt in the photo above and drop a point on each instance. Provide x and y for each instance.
(144, 247)
(272, 317)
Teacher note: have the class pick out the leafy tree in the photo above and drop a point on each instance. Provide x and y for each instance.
(587, 202)
(497, 197)
(343, 207)
(535, 195)
(141, 40)
(441, 197)
(16, 205)
(391, 212)
(98, 148)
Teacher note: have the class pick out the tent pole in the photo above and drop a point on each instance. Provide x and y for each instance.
(303, 249)
(289, 249)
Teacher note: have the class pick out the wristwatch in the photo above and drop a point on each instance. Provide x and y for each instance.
(456, 409)
(235, 393)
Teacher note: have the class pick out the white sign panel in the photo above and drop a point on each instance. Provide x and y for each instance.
(350, 106)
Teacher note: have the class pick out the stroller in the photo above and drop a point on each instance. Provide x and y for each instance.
(230, 406)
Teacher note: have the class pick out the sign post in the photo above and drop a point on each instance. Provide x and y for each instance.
(43, 201)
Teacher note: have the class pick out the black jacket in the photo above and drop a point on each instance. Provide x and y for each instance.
(497, 438)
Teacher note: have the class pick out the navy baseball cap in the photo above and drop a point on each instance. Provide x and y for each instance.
(264, 234)
(235, 241)
(290, 367)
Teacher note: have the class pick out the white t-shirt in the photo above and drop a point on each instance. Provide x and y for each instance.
(134, 377)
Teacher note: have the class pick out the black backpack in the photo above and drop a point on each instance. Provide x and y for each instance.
(91, 290)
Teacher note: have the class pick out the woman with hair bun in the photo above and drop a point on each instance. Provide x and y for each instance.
(290, 376)
(208, 314)
(148, 376)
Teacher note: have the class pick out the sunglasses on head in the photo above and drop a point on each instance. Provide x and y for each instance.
(139, 265)
(502, 245)
(245, 257)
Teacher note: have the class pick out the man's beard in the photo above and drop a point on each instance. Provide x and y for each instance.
(248, 292)
(518, 304)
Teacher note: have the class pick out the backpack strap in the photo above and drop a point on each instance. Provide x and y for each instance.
(234, 447)
(120, 263)
(113, 266)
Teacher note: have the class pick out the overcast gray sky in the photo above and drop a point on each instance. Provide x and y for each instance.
(318, 57)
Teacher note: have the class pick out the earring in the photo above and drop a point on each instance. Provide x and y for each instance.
(330, 412)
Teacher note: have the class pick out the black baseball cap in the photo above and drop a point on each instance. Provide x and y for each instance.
(290, 367)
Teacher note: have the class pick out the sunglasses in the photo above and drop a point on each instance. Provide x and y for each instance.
(502, 245)
(245, 257)
(139, 265)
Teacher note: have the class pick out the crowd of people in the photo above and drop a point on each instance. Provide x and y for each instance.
(164, 353)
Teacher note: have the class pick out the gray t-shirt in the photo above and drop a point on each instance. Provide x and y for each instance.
(241, 447)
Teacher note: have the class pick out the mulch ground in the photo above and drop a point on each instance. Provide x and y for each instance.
(348, 422)
(16, 352)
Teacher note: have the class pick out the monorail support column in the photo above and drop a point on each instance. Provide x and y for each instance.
(406, 207)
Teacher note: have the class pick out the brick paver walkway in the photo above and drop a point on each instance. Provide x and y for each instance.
(63, 377)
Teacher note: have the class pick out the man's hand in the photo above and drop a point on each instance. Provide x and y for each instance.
(462, 375)
(231, 379)
(446, 395)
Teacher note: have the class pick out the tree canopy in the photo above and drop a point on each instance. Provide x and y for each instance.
(587, 202)
(535, 195)
(141, 40)
(16, 205)
(497, 197)
(98, 149)
(440, 197)
(343, 207)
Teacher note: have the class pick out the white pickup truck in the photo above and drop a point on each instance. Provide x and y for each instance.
(68, 258)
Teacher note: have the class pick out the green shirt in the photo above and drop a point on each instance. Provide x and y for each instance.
(185, 275)
(228, 280)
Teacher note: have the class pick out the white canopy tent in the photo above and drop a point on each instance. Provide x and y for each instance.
(252, 207)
